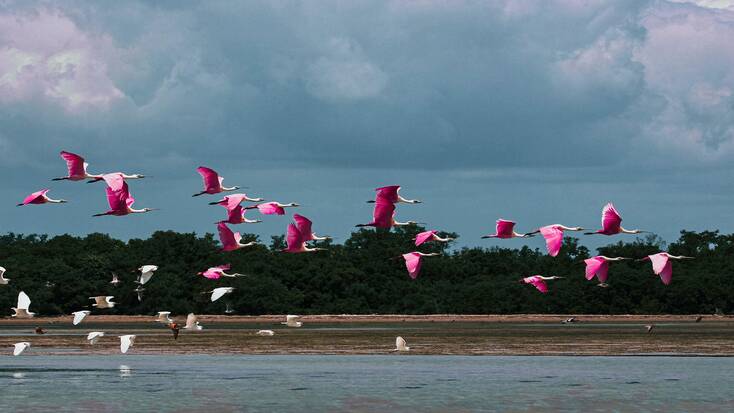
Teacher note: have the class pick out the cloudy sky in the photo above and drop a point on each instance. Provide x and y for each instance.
(536, 111)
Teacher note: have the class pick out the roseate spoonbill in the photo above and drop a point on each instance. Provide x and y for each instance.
(164, 317)
(413, 262)
(24, 303)
(611, 223)
(296, 241)
(430, 236)
(553, 235)
(39, 197)
(505, 229)
(231, 201)
(400, 344)
(146, 273)
(119, 199)
(94, 337)
(3, 280)
(79, 316)
(39, 330)
(212, 182)
(115, 280)
(304, 226)
(214, 273)
(231, 240)
(103, 301)
(391, 194)
(236, 215)
(20, 347)
(292, 321)
(120, 174)
(265, 333)
(217, 293)
(662, 266)
(383, 216)
(273, 208)
(126, 342)
(599, 266)
(77, 168)
(539, 282)
(192, 323)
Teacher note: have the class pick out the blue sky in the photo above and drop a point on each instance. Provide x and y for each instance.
(536, 111)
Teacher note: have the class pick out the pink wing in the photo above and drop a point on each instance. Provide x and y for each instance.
(413, 264)
(294, 239)
(210, 177)
(118, 199)
(504, 228)
(553, 239)
(35, 198)
(114, 181)
(597, 266)
(304, 226)
(226, 237)
(387, 193)
(270, 208)
(235, 215)
(212, 275)
(233, 201)
(223, 267)
(662, 266)
(75, 164)
(538, 282)
(383, 213)
(424, 236)
(610, 219)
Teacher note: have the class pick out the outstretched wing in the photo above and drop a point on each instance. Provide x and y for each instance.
(413, 264)
(126, 342)
(304, 226)
(553, 239)
(226, 236)
(383, 213)
(424, 236)
(24, 302)
(78, 317)
(34, 196)
(610, 219)
(114, 180)
(210, 177)
(538, 283)
(74, 164)
(387, 194)
(191, 320)
(504, 228)
(294, 238)
(662, 266)
(270, 208)
(596, 266)
(218, 293)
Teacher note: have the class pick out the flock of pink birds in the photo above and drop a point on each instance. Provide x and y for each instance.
(300, 232)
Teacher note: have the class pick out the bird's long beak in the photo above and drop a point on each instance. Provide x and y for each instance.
(215, 203)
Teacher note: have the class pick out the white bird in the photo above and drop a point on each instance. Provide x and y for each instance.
(569, 320)
(20, 347)
(217, 293)
(192, 322)
(94, 337)
(103, 301)
(400, 344)
(292, 321)
(3, 280)
(139, 291)
(649, 328)
(146, 273)
(23, 303)
(265, 333)
(79, 316)
(163, 317)
(115, 280)
(126, 342)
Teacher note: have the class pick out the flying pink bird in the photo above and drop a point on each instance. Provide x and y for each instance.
(414, 260)
(119, 198)
(599, 266)
(662, 266)
(40, 197)
(429, 236)
(77, 168)
(505, 229)
(383, 216)
(391, 194)
(214, 273)
(296, 241)
(237, 216)
(553, 235)
(231, 240)
(539, 282)
(611, 223)
(231, 201)
(122, 175)
(304, 227)
(212, 182)
(272, 208)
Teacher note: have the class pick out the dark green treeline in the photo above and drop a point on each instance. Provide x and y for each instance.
(362, 276)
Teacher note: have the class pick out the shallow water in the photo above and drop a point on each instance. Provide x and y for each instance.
(396, 383)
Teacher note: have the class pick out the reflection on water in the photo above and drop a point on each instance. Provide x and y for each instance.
(398, 383)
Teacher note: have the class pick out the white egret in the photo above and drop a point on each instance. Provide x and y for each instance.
(192, 322)
(3, 280)
(103, 301)
(163, 317)
(79, 316)
(400, 344)
(265, 333)
(292, 321)
(217, 293)
(94, 337)
(126, 342)
(24, 302)
(146, 273)
(20, 347)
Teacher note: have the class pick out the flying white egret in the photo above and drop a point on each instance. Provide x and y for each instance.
(79, 316)
(265, 333)
(94, 337)
(20, 347)
(217, 293)
(400, 344)
(126, 342)
(292, 321)
(3, 280)
(146, 273)
(103, 301)
(24, 302)
(163, 317)
(192, 322)
(115, 280)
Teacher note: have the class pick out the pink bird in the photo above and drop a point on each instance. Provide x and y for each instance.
(383, 216)
(272, 208)
(40, 197)
(599, 266)
(231, 240)
(212, 182)
(662, 266)
(214, 273)
(505, 229)
(119, 198)
(611, 223)
(539, 282)
(430, 236)
(413, 262)
(296, 241)
(304, 227)
(553, 235)
(391, 195)
(237, 216)
(231, 201)
(77, 168)
(123, 175)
